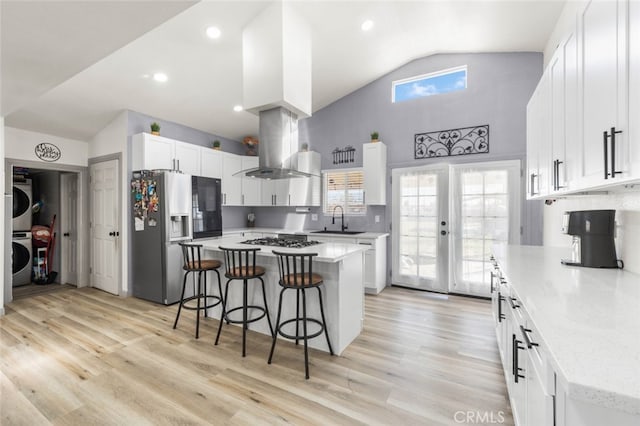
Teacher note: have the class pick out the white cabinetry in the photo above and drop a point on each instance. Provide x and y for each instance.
(231, 185)
(275, 192)
(211, 163)
(375, 262)
(374, 164)
(150, 152)
(603, 82)
(251, 187)
(538, 139)
(594, 99)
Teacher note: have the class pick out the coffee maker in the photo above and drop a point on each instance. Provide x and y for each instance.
(592, 244)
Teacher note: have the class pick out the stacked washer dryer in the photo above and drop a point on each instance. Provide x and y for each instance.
(22, 254)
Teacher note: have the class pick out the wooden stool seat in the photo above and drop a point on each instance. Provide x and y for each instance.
(203, 265)
(245, 272)
(301, 280)
(193, 262)
(296, 273)
(240, 264)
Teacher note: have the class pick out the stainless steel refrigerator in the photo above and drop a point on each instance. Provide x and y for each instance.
(161, 220)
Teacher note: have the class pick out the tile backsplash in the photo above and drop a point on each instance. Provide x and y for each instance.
(627, 206)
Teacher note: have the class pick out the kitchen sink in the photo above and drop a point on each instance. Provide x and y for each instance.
(329, 231)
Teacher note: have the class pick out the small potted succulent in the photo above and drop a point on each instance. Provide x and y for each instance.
(155, 128)
(216, 145)
(304, 147)
(374, 136)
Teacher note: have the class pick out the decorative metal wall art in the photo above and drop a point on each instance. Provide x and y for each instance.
(344, 155)
(48, 152)
(466, 140)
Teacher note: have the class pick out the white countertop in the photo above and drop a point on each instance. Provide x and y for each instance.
(310, 233)
(589, 319)
(327, 252)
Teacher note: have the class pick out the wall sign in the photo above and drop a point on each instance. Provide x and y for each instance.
(445, 143)
(344, 155)
(47, 152)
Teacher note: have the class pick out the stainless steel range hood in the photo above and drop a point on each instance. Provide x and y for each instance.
(278, 136)
(276, 70)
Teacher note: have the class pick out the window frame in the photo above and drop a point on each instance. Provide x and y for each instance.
(433, 74)
(347, 212)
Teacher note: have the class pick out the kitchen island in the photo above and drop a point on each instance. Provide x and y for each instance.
(341, 266)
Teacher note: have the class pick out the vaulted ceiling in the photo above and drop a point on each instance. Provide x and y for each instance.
(69, 67)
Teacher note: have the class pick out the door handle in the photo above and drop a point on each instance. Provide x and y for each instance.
(112, 234)
(443, 232)
(531, 183)
(66, 234)
(605, 136)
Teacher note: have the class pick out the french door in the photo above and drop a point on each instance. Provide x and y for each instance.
(420, 219)
(446, 220)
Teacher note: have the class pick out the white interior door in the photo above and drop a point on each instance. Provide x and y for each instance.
(105, 244)
(420, 241)
(69, 228)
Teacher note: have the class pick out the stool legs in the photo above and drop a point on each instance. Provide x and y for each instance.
(264, 299)
(222, 310)
(275, 335)
(326, 333)
(184, 285)
(244, 317)
(304, 327)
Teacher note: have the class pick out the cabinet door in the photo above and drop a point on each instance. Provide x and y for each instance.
(187, 158)
(156, 152)
(558, 119)
(275, 192)
(539, 139)
(251, 187)
(539, 405)
(603, 78)
(231, 185)
(570, 170)
(210, 163)
(634, 89)
(374, 164)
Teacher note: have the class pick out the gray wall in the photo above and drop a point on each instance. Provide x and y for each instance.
(499, 86)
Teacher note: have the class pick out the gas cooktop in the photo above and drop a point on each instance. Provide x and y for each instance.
(282, 242)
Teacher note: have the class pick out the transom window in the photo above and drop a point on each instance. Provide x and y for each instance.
(435, 83)
(344, 188)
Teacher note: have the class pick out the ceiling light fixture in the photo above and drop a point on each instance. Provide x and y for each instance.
(160, 77)
(367, 25)
(213, 32)
(238, 108)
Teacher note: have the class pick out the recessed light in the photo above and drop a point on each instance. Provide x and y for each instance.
(367, 25)
(238, 108)
(213, 32)
(160, 76)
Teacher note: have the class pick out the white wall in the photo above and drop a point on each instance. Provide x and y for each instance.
(2, 216)
(627, 206)
(20, 144)
(113, 140)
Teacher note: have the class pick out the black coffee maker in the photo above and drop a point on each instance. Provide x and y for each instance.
(592, 232)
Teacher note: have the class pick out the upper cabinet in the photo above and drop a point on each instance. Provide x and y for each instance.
(588, 139)
(151, 152)
(231, 183)
(374, 164)
(211, 163)
(251, 187)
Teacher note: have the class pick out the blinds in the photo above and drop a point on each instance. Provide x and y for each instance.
(344, 188)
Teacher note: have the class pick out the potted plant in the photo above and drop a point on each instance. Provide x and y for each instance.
(216, 145)
(304, 147)
(155, 128)
(374, 136)
(251, 143)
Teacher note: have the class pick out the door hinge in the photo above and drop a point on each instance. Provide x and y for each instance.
(389, 226)
(521, 172)
(390, 179)
(90, 270)
(521, 230)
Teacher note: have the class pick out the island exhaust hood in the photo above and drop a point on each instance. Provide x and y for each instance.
(276, 65)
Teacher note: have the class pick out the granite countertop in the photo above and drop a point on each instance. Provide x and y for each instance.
(327, 252)
(310, 232)
(589, 319)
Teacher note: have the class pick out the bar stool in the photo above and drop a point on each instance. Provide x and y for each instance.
(193, 262)
(240, 264)
(296, 273)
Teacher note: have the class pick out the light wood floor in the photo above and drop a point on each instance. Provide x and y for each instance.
(83, 357)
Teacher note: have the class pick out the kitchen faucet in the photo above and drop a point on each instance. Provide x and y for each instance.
(333, 218)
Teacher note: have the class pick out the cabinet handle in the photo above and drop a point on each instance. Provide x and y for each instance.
(289, 199)
(243, 199)
(178, 164)
(527, 339)
(491, 281)
(613, 152)
(516, 368)
(558, 187)
(501, 299)
(605, 136)
(364, 198)
(512, 301)
(275, 200)
(224, 198)
(532, 180)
